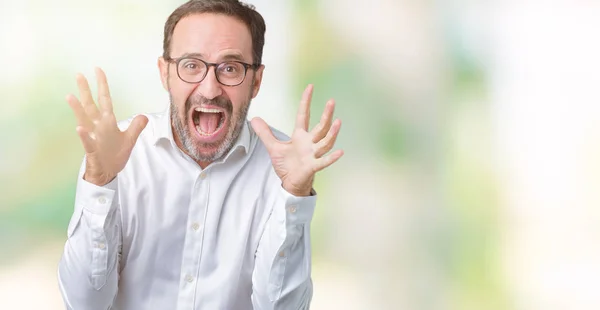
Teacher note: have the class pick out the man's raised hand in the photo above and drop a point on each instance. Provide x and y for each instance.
(297, 161)
(107, 148)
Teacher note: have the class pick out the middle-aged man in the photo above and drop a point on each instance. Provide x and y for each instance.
(195, 208)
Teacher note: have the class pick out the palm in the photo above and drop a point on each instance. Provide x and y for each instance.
(291, 159)
(296, 161)
(107, 148)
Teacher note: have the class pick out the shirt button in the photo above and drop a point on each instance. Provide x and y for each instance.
(195, 226)
(101, 246)
(281, 254)
(189, 278)
(203, 175)
(293, 209)
(102, 200)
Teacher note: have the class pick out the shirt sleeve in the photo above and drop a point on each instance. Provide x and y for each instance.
(88, 269)
(282, 273)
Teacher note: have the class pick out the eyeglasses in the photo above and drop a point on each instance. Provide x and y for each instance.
(229, 73)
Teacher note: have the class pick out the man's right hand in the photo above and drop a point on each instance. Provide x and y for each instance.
(107, 148)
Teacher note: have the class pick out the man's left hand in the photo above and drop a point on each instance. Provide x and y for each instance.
(296, 161)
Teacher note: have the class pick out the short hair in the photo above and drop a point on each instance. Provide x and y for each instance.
(245, 13)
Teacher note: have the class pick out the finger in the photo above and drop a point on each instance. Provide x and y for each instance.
(322, 128)
(104, 98)
(135, 128)
(87, 139)
(303, 116)
(107, 126)
(85, 95)
(80, 116)
(325, 145)
(110, 120)
(264, 133)
(328, 160)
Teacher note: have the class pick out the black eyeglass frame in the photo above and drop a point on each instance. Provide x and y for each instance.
(208, 65)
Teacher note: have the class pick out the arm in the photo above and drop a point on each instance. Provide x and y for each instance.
(281, 277)
(88, 269)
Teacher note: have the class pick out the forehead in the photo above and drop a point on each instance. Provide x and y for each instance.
(215, 36)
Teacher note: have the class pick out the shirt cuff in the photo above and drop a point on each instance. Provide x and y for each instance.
(299, 210)
(96, 199)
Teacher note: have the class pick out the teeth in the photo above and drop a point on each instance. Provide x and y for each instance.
(202, 132)
(207, 110)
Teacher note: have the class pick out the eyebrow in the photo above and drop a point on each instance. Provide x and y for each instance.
(230, 56)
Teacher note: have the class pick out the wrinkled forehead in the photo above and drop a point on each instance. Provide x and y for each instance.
(215, 37)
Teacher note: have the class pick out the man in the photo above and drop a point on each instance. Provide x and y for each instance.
(195, 208)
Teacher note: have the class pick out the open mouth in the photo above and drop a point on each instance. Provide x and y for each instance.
(208, 121)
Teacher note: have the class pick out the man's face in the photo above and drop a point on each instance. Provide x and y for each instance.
(207, 117)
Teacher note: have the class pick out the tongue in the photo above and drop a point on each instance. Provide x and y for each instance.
(209, 122)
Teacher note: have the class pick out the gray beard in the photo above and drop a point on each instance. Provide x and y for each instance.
(182, 130)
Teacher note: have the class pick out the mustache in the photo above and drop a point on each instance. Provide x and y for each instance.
(220, 102)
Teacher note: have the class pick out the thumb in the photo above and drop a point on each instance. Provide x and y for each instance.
(264, 132)
(135, 128)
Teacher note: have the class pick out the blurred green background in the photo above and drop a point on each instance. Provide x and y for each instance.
(470, 130)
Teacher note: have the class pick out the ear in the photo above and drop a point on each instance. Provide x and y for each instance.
(257, 80)
(163, 68)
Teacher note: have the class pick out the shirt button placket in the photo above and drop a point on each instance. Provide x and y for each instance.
(202, 177)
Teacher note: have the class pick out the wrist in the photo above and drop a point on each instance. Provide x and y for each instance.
(298, 191)
(98, 180)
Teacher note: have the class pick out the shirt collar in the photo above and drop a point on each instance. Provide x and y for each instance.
(162, 128)
(164, 131)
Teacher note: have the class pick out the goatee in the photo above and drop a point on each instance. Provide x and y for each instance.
(194, 149)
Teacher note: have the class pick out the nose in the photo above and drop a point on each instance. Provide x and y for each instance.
(210, 88)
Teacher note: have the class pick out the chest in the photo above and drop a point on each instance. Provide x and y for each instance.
(204, 222)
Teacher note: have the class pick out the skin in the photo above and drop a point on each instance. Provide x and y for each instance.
(216, 38)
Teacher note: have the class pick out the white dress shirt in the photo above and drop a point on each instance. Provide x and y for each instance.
(165, 234)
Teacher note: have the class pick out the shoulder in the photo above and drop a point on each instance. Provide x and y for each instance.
(153, 126)
(260, 156)
(153, 119)
(279, 135)
(258, 145)
(151, 134)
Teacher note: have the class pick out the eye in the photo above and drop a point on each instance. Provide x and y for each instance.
(190, 65)
(231, 69)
